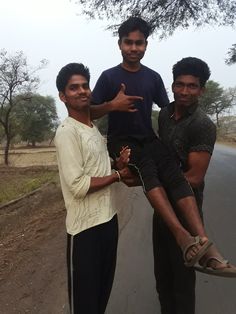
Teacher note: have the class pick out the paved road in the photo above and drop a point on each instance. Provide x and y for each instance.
(134, 286)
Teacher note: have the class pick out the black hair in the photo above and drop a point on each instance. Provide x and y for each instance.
(134, 23)
(192, 66)
(66, 73)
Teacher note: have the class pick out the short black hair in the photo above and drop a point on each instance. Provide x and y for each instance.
(134, 23)
(192, 66)
(66, 73)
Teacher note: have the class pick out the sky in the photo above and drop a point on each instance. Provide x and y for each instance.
(54, 30)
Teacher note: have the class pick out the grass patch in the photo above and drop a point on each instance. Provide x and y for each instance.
(15, 182)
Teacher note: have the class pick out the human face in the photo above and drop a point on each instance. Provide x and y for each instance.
(133, 48)
(186, 90)
(77, 93)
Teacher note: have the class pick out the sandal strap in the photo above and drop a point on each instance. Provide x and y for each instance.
(196, 240)
(210, 258)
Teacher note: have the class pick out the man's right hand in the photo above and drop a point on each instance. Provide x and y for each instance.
(123, 102)
(128, 178)
(123, 160)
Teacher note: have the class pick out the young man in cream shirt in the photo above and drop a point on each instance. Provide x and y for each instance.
(86, 177)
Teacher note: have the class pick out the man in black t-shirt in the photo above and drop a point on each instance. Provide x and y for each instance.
(190, 135)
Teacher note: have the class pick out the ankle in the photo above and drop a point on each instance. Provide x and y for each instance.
(182, 237)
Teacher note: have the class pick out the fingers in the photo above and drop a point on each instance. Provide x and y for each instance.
(133, 98)
(123, 160)
(132, 110)
(130, 98)
(125, 153)
(131, 107)
(123, 148)
(122, 88)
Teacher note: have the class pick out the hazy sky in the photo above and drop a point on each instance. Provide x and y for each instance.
(52, 29)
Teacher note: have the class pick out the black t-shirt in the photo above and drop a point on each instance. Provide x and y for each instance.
(146, 83)
(192, 133)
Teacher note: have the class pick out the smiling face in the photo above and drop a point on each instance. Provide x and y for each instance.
(186, 90)
(133, 47)
(77, 94)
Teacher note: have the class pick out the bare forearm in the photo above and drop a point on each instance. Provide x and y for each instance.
(97, 183)
(98, 111)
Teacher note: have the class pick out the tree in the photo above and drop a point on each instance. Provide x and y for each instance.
(216, 100)
(37, 118)
(231, 55)
(164, 16)
(16, 78)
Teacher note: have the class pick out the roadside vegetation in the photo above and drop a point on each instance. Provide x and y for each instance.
(25, 115)
(16, 182)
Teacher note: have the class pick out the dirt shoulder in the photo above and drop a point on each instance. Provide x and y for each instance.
(32, 255)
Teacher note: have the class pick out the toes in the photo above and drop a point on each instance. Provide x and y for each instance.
(195, 248)
(193, 251)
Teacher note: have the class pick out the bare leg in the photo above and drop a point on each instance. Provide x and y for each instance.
(188, 209)
(158, 199)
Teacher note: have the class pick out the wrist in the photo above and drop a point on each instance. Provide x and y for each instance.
(117, 173)
(110, 106)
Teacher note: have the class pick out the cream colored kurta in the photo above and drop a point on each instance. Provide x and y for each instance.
(82, 154)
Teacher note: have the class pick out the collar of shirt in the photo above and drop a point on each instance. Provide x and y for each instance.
(189, 110)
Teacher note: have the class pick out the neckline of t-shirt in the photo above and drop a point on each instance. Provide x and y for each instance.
(76, 122)
(125, 70)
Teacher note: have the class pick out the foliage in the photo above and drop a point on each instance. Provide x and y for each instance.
(227, 129)
(231, 55)
(212, 95)
(16, 78)
(165, 16)
(217, 101)
(37, 118)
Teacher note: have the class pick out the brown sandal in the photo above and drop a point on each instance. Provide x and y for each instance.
(202, 251)
(229, 272)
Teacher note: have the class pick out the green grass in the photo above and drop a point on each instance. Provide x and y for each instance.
(15, 183)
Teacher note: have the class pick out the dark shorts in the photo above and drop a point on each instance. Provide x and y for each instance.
(154, 164)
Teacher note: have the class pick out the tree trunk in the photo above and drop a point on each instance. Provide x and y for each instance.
(6, 152)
